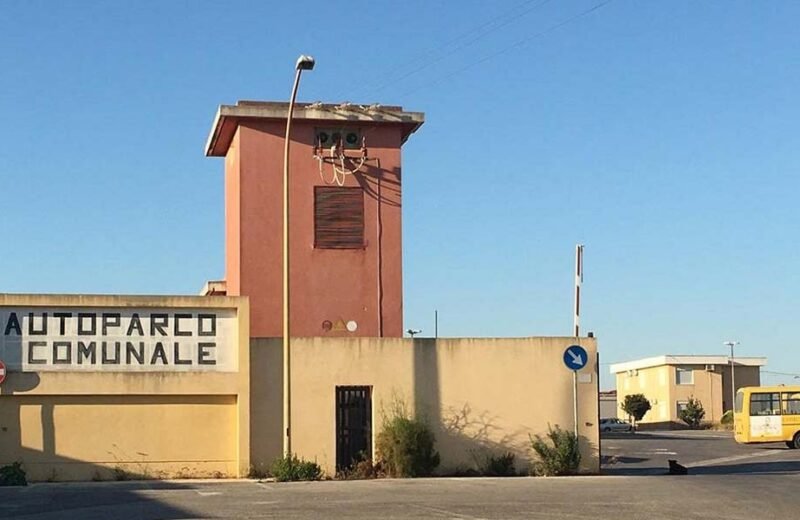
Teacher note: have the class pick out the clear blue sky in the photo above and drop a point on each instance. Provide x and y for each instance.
(663, 135)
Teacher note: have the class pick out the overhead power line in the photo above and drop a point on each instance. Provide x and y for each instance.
(787, 374)
(399, 73)
(514, 45)
(452, 51)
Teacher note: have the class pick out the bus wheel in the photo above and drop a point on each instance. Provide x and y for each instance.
(796, 441)
(790, 445)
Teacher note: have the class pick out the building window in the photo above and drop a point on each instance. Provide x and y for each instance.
(684, 376)
(681, 407)
(338, 218)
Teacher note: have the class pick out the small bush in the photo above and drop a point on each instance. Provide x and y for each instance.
(462, 471)
(405, 446)
(500, 466)
(120, 474)
(693, 414)
(559, 456)
(257, 472)
(362, 470)
(291, 468)
(727, 418)
(13, 475)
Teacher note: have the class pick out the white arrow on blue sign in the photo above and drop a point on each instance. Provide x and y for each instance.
(575, 357)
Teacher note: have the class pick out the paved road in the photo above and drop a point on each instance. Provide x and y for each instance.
(727, 482)
(734, 497)
(704, 452)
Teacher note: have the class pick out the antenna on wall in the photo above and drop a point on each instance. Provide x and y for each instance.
(578, 282)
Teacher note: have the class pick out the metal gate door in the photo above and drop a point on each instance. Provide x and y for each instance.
(353, 425)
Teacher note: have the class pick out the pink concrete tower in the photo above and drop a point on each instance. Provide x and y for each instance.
(344, 220)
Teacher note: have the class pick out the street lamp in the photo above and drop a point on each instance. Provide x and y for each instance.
(732, 344)
(303, 63)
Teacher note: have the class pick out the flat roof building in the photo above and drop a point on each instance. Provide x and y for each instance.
(669, 381)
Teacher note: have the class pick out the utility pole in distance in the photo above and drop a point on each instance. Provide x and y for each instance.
(732, 344)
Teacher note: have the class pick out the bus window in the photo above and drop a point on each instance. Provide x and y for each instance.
(791, 404)
(737, 407)
(765, 404)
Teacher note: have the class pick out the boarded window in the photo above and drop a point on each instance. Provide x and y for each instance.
(338, 217)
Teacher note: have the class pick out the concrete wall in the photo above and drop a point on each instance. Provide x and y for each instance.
(104, 423)
(336, 285)
(481, 396)
(609, 408)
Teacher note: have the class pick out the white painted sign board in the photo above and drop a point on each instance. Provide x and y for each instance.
(124, 339)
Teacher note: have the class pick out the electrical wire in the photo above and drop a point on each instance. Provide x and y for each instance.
(498, 22)
(787, 374)
(339, 174)
(514, 45)
(452, 51)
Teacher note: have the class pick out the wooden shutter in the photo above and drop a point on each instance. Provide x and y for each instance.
(338, 217)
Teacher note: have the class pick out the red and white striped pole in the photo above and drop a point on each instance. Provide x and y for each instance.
(578, 281)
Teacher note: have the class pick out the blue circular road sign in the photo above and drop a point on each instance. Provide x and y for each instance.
(575, 357)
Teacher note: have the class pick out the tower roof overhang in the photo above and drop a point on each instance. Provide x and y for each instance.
(229, 117)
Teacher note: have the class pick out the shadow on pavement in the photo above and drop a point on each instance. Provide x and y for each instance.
(90, 500)
(641, 436)
(623, 471)
(748, 468)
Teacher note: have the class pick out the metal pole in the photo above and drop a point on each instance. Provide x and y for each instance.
(287, 360)
(436, 324)
(578, 280)
(732, 344)
(733, 379)
(575, 401)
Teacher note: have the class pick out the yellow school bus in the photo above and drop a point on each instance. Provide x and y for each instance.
(768, 414)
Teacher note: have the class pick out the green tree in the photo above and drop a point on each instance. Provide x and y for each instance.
(693, 413)
(636, 405)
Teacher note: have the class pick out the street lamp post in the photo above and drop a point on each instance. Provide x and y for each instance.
(732, 344)
(303, 63)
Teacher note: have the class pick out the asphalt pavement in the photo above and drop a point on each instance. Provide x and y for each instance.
(703, 452)
(726, 481)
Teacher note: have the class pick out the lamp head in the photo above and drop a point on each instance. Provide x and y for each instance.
(304, 62)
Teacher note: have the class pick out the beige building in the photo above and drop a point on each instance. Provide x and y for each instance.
(669, 381)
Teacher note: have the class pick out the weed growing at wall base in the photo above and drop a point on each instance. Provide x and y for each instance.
(291, 468)
(405, 446)
(13, 475)
(495, 465)
(557, 452)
